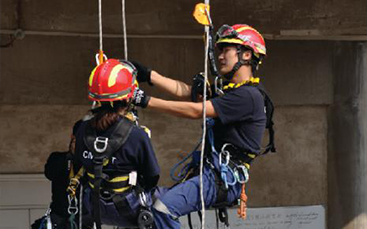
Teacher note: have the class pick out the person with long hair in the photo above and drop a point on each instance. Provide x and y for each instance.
(121, 168)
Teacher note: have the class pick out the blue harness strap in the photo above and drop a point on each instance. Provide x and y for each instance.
(195, 160)
(226, 166)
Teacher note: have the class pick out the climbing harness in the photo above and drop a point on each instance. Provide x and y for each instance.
(73, 204)
(232, 161)
(73, 211)
(269, 111)
(74, 182)
(112, 190)
(102, 148)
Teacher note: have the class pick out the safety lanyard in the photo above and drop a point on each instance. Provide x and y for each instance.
(252, 80)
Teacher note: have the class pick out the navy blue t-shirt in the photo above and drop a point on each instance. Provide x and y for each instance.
(136, 154)
(241, 119)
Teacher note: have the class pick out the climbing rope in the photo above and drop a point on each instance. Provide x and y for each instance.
(100, 24)
(124, 28)
(100, 55)
(206, 30)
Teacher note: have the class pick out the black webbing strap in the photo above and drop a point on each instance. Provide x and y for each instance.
(222, 192)
(269, 107)
(223, 216)
(98, 165)
(189, 220)
(119, 134)
(221, 203)
(121, 205)
(107, 184)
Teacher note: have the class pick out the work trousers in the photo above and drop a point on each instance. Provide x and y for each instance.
(184, 198)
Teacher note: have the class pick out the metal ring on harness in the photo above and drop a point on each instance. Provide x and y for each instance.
(103, 140)
(73, 205)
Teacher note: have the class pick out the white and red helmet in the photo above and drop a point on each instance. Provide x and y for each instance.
(244, 35)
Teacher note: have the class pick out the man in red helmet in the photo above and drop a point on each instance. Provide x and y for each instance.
(117, 155)
(237, 124)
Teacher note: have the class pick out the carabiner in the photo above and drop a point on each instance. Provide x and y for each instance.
(98, 59)
(73, 205)
(227, 157)
(246, 175)
(219, 90)
(225, 153)
(143, 199)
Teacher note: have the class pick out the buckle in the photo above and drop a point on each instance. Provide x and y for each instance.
(98, 160)
(101, 140)
(106, 194)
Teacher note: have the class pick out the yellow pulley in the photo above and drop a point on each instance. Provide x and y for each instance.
(201, 13)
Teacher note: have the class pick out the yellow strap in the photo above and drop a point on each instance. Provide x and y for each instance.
(119, 179)
(71, 173)
(114, 180)
(117, 190)
(233, 85)
(130, 116)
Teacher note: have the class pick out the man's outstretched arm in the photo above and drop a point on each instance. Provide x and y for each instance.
(182, 109)
(176, 88)
(173, 87)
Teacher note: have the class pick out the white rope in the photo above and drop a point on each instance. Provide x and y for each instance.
(100, 24)
(204, 124)
(124, 28)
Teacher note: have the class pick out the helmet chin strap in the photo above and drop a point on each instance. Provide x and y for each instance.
(239, 63)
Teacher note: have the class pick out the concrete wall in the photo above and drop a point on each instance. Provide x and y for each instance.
(43, 91)
(277, 17)
(43, 80)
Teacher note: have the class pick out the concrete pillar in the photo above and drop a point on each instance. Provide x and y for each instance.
(347, 160)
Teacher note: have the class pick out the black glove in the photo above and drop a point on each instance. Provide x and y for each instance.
(140, 98)
(197, 87)
(143, 73)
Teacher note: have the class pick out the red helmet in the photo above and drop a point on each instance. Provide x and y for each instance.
(242, 34)
(112, 80)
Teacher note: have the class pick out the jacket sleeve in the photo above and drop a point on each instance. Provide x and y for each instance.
(56, 166)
